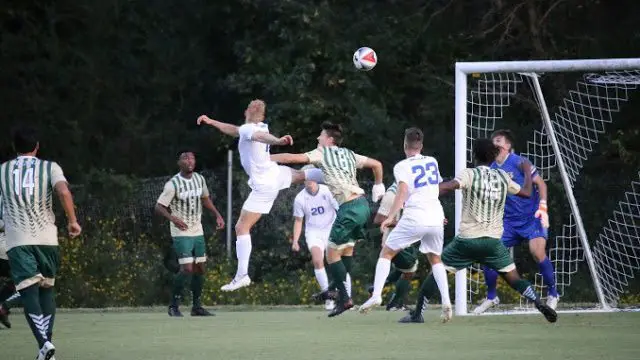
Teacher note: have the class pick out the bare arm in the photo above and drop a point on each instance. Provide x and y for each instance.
(297, 228)
(228, 129)
(66, 198)
(376, 167)
(448, 186)
(163, 211)
(401, 196)
(542, 187)
(527, 187)
(286, 158)
(208, 204)
(266, 138)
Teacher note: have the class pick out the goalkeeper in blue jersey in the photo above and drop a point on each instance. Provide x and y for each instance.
(525, 220)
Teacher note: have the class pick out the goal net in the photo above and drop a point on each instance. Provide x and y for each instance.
(566, 116)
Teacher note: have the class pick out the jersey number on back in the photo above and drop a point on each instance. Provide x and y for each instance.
(429, 170)
(23, 182)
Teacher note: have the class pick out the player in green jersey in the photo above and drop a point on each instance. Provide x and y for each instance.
(339, 166)
(27, 184)
(484, 192)
(181, 203)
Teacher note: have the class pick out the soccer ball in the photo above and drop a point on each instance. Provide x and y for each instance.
(365, 59)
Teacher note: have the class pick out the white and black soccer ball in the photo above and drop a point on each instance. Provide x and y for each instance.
(365, 59)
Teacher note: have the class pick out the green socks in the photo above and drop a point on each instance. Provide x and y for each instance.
(428, 288)
(179, 282)
(38, 323)
(339, 274)
(197, 283)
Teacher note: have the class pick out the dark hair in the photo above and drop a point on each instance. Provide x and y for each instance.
(25, 139)
(185, 151)
(507, 134)
(484, 152)
(333, 130)
(413, 137)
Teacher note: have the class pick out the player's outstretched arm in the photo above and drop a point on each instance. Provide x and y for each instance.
(66, 199)
(228, 129)
(378, 189)
(448, 186)
(287, 158)
(266, 138)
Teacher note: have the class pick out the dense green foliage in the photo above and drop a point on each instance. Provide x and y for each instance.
(116, 85)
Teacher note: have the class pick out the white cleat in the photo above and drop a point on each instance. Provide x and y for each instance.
(486, 305)
(237, 283)
(46, 352)
(552, 301)
(447, 313)
(329, 305)
(369, 304)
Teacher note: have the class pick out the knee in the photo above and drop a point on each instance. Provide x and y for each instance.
(241, 229)
(318, 264)
(187, 268)
(387, 253)
(199, 268)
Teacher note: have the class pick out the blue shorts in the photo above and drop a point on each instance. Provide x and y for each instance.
(515, 234)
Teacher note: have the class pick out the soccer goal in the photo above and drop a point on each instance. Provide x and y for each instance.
(563, 113)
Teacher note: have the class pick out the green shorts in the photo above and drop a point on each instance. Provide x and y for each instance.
(462, 253)
(34, 264)
(406, 261)
(349, 226)
(190, 249)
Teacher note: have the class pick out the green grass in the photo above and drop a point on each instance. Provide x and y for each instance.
(304, 334)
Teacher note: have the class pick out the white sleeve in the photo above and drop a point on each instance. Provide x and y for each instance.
(400, 174)
(298, 207)
(246, 131)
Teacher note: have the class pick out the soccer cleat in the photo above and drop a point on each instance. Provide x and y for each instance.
(329, 305)
(200, 311)
(369, 304)
(412, 317)
(4, 317)
(174, 311)
(552, 301)
(324, 296)
(548, 312)
(486, 305)
(237, 283)
(340, 308)
(447, 313)
(46, 352)
(370, 290)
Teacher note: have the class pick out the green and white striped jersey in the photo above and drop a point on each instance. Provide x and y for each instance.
(484, 193)
(3, 237)
(26, 186)
(339, 166)
(184, 198)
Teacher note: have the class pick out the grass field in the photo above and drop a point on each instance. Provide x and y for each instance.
(308, 334)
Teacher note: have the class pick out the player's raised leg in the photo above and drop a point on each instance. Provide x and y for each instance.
(243, 247)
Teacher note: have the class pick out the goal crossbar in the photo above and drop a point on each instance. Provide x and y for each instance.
(462, 70)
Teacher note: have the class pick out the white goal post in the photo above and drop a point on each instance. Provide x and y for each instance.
(483, 91)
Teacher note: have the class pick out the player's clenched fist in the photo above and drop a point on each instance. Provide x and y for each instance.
(286, 140)
(204, 119)
(377, 192)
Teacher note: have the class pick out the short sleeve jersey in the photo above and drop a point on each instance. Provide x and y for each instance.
(339, 166)
(318, 210)
(255, 156)
(184, 198)
(421, 175)
(484, 192)
(26, 186)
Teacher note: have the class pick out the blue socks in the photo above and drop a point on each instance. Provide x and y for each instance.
(546, 270)
(491, 279)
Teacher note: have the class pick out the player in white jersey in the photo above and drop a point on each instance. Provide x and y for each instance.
(317, 207)
(181, 202)
(266, 179)
(27, 184)
(418, 177)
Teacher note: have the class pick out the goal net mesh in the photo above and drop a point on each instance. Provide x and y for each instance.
(582, 117)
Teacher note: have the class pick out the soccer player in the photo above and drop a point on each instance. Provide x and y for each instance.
(181, 203)
(316, 205)
(26, 187)
(484, 191)
(266, 179)
(422, 220)
(405, 262)
(525, 219)
(8, 294)
(339, 166)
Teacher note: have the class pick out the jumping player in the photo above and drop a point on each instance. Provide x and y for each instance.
(484, 193)
(525, 220)
(339, 166)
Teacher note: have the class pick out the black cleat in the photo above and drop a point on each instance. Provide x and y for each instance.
(548, 312)
(4, 317)
(200, 311)
(370, 290)
(323, 296)
(412, 317)
(340, 308)
(174, 311)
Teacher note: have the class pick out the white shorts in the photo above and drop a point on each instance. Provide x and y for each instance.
(260, 199)
(314, 239)
(409, 231)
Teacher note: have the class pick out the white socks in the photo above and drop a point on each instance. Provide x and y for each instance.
(347, 284)
(382, 272)
(440, 274)
(323, 280)
(243, 252)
